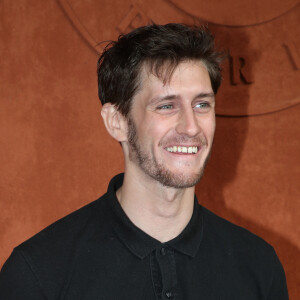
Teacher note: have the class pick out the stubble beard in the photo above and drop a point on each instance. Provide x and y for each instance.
(156, 170)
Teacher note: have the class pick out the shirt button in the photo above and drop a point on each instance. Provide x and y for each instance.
(163, 251)
(169, 294)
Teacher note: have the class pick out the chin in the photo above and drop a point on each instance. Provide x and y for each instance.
(177, 180)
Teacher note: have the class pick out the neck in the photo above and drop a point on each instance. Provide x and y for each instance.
(161, 212)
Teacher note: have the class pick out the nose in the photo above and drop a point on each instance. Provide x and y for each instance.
(188, 123)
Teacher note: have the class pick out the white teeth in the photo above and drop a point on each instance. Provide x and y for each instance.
(182, 149)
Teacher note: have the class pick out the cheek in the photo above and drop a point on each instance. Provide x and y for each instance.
(213, 126)
(208, 127)
(155, 129)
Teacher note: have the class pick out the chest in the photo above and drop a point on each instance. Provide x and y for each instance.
(164, 274)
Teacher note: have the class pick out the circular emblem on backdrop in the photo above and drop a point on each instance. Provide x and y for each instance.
(236, 13)
(262, 73)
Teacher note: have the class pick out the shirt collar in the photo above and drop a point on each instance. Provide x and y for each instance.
(140, 243)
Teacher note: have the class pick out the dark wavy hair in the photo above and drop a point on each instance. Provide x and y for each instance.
(163, 47)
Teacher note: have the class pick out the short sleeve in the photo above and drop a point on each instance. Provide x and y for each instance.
(278, 288)
(17, 280)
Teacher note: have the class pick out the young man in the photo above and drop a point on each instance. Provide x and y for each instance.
(147, 237)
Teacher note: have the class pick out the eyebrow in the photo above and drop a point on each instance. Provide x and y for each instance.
(174, 97)
(205, 95)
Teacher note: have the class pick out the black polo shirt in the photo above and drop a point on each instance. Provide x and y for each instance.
(98, 253)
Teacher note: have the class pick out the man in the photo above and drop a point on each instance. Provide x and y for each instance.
(147, 237)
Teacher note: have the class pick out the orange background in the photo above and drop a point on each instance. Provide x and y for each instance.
(56, 155)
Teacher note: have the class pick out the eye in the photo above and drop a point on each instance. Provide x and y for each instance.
(165, 107)
(202, 106)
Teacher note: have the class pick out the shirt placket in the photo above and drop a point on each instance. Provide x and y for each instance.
(165, 282)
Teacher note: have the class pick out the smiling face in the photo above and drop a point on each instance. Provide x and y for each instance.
(171, 126)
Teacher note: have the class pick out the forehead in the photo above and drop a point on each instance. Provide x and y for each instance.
(186, 78)
(165, 71)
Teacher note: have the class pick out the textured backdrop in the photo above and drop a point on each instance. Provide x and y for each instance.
(55, 155)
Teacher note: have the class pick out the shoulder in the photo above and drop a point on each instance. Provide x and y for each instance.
(52, 252)
(40, 265)
(68, 228)
(244, 255)
(238, 247)
(231, 236)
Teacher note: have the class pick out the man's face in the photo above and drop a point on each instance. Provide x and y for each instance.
(171, 126)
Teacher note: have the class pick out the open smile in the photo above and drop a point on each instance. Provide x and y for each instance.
(183, 149)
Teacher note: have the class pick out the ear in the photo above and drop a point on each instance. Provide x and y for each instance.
(114, 122)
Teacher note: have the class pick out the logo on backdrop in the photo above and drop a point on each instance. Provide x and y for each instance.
(262, 72)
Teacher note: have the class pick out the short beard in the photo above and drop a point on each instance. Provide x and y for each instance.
(153, 168)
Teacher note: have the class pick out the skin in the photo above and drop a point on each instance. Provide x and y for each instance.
(178, 113)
